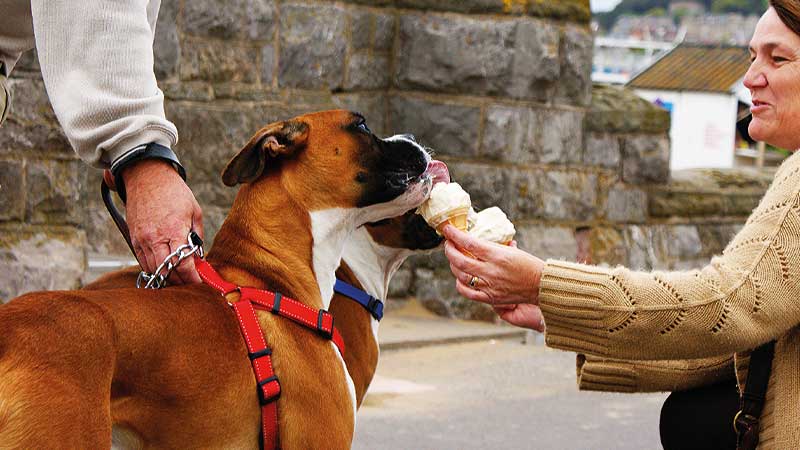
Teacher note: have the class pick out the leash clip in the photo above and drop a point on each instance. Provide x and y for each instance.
(158, 279)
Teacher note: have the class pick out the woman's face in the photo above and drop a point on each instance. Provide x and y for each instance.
(774, 82)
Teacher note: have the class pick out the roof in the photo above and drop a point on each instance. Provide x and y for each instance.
(695, 67)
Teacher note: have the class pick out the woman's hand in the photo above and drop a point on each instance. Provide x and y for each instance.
(505, 275)
(522, 315)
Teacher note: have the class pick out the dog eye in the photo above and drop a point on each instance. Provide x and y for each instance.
(363, 127)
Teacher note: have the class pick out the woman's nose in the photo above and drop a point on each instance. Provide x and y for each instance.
(754, 78)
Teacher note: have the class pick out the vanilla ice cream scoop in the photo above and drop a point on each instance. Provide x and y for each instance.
(472, 218)
(448, 203)
(493, 225)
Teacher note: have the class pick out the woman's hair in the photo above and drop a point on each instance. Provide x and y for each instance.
(789, 13)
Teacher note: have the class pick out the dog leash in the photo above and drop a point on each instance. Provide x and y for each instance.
(373, 305)
(268, 385)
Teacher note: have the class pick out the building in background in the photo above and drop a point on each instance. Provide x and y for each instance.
(633, 44)
(701, 86)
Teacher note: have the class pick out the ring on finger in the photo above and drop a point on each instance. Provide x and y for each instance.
(473, 281)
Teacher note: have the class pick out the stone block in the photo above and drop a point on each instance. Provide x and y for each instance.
(740, 204)
(461, 6)
(487, 185)
(166, 45)
(313, 45)
(677, 242)
(243, 91)
(187, 90)
(53, 192)
(607, 247)
(548, 242)
(12, 190)
(28, 62)
(668, 203)
(205, 150)
(371, 105)
(450, 129)
(620, 110)
(268, 75)
(366, 71)
(402, 284)
(455, 54)
(569, 195)
(34, 259)
(715, 237)
(626, 204)
(384, 32)
(218, 61)
(535, 67)
(436, 291)
(556, 136)
(505, 134)
(361, 26)
(230, 19)
(645, 158)
(523, 197)
(602, 149)
(575, 84)
(569, 10)
(640, 255)
(29, 102)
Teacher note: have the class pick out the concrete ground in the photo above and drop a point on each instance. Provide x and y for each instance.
(470, 390)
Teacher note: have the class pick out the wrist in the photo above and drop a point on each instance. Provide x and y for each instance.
(134, 160)
(147, 169)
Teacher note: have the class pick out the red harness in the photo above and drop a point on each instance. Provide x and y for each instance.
(269, 388)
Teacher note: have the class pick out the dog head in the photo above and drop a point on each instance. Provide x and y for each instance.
(410, 231)
(330, 160)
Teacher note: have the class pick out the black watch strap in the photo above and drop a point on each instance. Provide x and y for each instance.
(149, 151)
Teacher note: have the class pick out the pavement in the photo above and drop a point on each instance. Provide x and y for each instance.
(407, 324)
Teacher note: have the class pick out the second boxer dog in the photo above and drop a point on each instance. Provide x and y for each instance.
(169, 368)
(371, 258)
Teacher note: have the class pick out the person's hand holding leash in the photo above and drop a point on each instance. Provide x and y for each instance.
(160, 210)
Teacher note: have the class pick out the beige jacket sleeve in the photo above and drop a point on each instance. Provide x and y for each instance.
(616, 375)
(742, 299)
(97, 63)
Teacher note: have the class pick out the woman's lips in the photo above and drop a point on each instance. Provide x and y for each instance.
(758, 106)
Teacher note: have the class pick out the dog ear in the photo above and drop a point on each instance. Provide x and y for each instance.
(272, 141)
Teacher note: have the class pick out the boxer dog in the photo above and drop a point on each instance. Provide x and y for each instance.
(169, 368)
(371, 258)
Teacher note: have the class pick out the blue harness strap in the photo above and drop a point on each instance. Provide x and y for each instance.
(370, 303)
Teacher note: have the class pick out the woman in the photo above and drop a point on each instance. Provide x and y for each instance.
(744, 298)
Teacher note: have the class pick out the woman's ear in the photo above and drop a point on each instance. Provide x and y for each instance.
(273, 141)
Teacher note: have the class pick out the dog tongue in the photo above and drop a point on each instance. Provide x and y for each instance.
(438, 170)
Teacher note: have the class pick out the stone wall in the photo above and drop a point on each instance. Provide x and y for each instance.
(499, 88)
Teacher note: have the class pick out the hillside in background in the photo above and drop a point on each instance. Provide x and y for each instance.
(676, 9)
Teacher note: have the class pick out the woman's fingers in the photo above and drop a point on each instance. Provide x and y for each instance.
(461, 261)
(478, 248)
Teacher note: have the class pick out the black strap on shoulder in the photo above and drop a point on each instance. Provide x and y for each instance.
(149, 151)
(751, 403)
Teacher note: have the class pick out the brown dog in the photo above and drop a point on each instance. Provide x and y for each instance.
(169, 368)
(371, 258)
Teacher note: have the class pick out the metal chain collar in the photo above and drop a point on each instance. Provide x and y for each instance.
(158, 279)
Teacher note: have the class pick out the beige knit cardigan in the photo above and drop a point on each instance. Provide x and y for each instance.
(747, 296)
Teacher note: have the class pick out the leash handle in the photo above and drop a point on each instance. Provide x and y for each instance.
(116, 216)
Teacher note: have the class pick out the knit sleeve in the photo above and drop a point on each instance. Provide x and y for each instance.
(97, 65)
(617, 375)
(743, 298)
